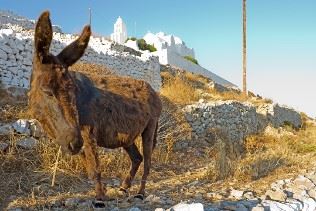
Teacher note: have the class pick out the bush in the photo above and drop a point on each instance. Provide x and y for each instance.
(142, 45)
(151, 48)
(131, 38)
(191, 59)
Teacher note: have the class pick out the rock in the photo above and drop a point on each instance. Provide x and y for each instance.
(153, 199)
(303, 182)
(312, 193)
(237, 194)
(71, 202)
(288, 206)
(278, 185)
(5, 129)
(259, 207)
(22, 126)
(309, 204)
(36, 128)
(3, 55)
(278, 195)
(215, 196)
(15, 209)
(27, 143)
(241, 207)
(187, 207)
(3, 146)
(249, 195)
(134, 209)
(202, 100)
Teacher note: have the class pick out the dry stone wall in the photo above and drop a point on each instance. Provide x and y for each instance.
(237, 119)
(16, 52)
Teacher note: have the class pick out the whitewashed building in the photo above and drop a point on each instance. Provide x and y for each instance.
(172, 43)
(120, 32)
(172, 50)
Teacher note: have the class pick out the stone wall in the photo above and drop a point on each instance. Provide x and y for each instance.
(278, 115)
(9, 19)
(236, 119)
(16, 50)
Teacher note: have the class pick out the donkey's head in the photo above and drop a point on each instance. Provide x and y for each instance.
(52, 97)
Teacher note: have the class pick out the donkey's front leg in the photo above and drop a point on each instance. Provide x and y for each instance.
(92, 162)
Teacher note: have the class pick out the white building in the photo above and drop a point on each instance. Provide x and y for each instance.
(120, 32)
(172, 50)
(170, 42)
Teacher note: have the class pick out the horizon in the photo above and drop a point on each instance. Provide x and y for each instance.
(281, 42)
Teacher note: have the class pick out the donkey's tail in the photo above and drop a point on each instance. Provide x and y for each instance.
(155, 136)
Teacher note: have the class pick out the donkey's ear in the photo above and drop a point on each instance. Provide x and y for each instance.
(43, 35)
(75, 50)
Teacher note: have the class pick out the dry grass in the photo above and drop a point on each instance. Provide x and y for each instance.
(265, 155)
(184, 87)
(179, 91)
(30, 171)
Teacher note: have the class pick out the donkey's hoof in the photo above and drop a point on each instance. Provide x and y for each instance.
(98, 204)
(139, 196)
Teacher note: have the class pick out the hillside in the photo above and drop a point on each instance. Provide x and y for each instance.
(220, 173)
(217, 149)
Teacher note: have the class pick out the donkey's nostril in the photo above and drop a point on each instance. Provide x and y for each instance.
(74, 148)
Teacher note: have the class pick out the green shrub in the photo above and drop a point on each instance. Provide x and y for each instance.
(191, 59)
(151, 48)
(131, 38)
(142, 45)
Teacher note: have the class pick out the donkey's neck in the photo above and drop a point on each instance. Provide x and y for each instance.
(87, 96)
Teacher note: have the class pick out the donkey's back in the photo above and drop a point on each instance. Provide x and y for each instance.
(119, 108)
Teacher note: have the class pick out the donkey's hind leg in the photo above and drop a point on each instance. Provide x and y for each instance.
(136, 159)
(148, 145)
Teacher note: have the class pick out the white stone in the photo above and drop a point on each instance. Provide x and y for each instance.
(6, 32)
(187, 207)
(22, 126)
(237, 194)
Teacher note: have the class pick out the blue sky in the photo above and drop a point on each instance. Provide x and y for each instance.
(281, 36)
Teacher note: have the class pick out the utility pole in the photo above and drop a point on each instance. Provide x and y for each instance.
(244, 49)
(90, 17)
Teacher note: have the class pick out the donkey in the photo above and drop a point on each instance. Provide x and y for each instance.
(81, 112)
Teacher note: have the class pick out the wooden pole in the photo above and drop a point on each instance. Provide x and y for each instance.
(244, 50)
(90, 16)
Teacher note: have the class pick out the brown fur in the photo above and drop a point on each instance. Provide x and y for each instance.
(77, 110)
